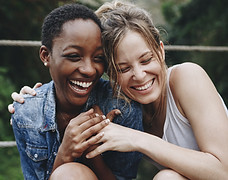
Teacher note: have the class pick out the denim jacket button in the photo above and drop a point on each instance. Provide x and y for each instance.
(36, 155)
(55, 153)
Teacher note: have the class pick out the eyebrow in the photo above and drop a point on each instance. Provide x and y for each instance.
(142, 55)
(80, 48)
(145, 53)
(72, 46)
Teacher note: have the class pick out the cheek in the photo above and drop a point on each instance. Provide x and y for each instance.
(157, 68)
(123, 82)
(100, 68)
(59, 71)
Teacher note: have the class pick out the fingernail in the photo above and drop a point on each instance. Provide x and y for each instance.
(101, 134)
(96, 114)
(103, 116)
(107, 121)
(117, 112)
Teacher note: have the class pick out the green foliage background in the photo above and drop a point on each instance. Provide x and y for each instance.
(187, 22)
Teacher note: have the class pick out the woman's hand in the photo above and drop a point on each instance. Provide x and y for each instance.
(81, 128)
(81, 133)
(97, 163)
(115, 138)
(111, 115)
(19, 96)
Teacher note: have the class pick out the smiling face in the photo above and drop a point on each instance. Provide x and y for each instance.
(140, 73)
(76, 62)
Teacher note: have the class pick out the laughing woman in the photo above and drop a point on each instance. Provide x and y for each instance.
(54, 129)
(185, 119)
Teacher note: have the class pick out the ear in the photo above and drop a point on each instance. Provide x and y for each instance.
(163, 50)
(45, 55)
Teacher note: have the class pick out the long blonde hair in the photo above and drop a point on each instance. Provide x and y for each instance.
(118, 17)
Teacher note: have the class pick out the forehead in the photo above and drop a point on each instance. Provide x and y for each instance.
(80, 26)
(80, 32)
(132, 45)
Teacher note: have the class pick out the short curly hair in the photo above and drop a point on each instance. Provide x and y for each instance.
(53, 22)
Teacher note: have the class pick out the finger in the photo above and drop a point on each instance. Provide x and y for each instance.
(94, 140)
(37, 85)
(17, 97)
(97, 109)
(27, 90)
(82, 118)
(93, 127)
(99, 150)
(112, 114)
(11, 108)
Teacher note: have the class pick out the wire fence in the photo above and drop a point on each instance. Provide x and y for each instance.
(167, 47)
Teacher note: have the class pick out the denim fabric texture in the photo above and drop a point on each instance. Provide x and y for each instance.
(38, 140)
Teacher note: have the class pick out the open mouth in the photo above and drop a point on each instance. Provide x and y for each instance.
(144, 87)
(80, 86)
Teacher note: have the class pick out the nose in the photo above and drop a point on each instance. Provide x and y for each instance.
(138, 73)
(87, 68)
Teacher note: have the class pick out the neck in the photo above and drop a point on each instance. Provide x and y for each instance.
(154, 116)
(63, 116)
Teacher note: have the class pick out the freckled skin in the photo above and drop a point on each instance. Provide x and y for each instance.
(141, 67)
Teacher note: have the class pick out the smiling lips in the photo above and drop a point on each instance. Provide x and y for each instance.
(144, 87)
(80, 86)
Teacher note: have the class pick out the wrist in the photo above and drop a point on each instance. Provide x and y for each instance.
(63, 157)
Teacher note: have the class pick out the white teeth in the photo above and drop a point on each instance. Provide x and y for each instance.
(82, 84)
(146, 86)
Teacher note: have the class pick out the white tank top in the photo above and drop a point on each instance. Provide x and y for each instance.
(177, 129)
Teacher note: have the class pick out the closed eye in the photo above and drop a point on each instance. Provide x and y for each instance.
(99, 59)
(146, 61)
(123, 70)
(72, 57)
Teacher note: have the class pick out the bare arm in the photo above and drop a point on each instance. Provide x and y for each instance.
(199, 102)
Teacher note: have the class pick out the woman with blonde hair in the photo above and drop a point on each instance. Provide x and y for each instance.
(185, 119)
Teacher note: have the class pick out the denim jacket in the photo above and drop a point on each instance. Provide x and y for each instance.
(38, 140)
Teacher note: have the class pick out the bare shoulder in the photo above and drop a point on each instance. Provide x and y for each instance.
(189, 83)
(187, 70)
(188, 76)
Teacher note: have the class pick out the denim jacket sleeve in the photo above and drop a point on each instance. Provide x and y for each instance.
(29, 155)
(36, 141)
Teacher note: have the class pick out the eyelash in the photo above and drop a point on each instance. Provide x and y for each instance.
(76, 57)
(144, 62)
(72, 57)
(99, 59)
